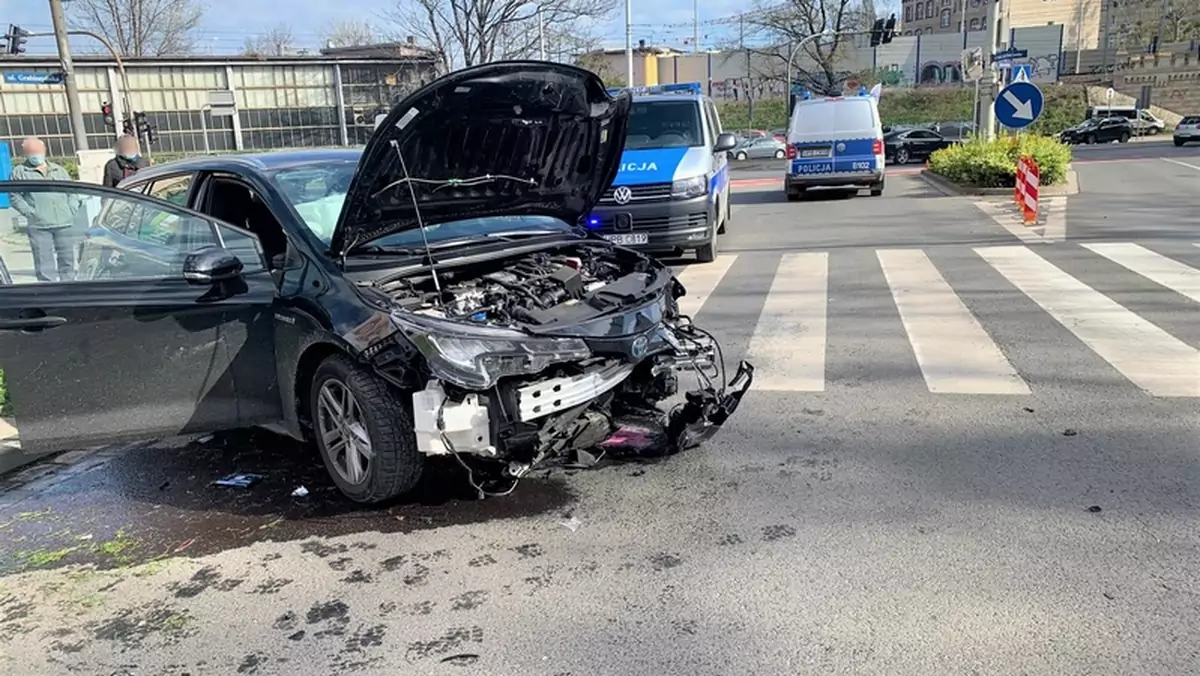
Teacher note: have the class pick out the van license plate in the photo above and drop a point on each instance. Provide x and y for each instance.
(814, 152)
(629, 239)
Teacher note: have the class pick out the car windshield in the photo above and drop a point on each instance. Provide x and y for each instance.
(664, 124)
(317, 191)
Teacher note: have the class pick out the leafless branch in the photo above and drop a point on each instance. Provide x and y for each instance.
(276, 42)
(141, 27)
(349, 34)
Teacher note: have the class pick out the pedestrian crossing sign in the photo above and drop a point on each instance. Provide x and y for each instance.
(1022, 72)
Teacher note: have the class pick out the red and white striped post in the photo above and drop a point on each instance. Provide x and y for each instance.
(1025, 194)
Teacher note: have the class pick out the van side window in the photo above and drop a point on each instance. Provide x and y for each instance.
(716, 118)
(710, 122)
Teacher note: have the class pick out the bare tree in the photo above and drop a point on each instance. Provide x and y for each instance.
(471, 32)
(141, 27)
(349, 34)
(785, 24)
(276, 42)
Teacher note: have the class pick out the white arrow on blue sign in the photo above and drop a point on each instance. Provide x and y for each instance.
(33, 78)
(1018, 105)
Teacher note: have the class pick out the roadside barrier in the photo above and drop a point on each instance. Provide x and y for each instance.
(1025, 193)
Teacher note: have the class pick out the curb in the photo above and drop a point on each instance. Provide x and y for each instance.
(952, 189)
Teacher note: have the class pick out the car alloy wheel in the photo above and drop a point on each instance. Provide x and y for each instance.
(779, 154)
(344, 432)
(902, 156)
(741, 156)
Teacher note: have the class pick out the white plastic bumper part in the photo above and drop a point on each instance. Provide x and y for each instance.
(464, 424)
(559, 394)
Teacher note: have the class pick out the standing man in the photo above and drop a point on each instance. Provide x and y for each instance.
(51, 215)
(127, 162)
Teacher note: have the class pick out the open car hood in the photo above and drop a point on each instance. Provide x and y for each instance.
(551, 127)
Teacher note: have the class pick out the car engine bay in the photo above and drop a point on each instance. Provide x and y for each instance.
(535, 290)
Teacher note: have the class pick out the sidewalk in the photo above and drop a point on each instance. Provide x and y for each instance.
(10, 447)
(14, 249)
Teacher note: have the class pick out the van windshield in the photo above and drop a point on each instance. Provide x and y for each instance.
(664, 124)
(846, 115)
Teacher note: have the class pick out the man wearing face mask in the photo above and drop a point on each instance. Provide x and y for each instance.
(51, 215)
(126, 163)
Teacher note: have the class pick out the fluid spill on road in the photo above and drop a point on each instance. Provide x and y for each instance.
(158, 500)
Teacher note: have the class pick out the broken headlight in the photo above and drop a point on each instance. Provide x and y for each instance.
(475, 357)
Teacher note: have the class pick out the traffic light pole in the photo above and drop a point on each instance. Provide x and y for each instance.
(126, 102)
(58, 17)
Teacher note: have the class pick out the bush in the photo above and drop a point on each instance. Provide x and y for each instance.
(3, 396)
(993, 164)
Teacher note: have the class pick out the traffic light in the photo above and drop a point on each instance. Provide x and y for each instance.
(16, 38)
(145, 129)
(877, 33)
(889, 30)
(107, 111)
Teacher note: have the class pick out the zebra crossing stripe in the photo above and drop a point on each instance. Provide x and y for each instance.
(955, 353)
(788, 345)
(1172, 274)
(1145, 354)
(700, 282)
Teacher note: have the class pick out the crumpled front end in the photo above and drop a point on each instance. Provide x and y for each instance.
(607, 385)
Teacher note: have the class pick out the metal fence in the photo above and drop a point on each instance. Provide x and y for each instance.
(283, 103)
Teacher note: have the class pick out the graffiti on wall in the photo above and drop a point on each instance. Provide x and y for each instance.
(893, 75)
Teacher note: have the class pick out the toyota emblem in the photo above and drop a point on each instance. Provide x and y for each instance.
(638, 349)
(841, 147)
(622, 195)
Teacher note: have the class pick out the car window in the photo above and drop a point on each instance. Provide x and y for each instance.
(923, 135)
(840, 115)
(103, 234)
(243, 245)
(1190, 119)
(173, 189)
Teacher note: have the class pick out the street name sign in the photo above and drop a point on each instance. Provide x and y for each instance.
(1018, 105)
(1010, 54)
(33, 78)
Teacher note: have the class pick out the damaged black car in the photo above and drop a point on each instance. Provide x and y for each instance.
(433, 294)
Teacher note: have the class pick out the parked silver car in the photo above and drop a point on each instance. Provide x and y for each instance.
(1187, 130)
(759, 149)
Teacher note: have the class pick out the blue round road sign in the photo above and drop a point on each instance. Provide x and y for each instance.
(1018, 105)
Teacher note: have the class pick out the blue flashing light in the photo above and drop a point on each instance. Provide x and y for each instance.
(694, 88)
(862, 91)
(807, 95)
(593, 222)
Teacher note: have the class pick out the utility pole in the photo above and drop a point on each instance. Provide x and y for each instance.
(628, 43)
(59, 18)
(1079, 35)
(1162, 14)
(695, 26)
(749, 84)
(987, 103)
(541, 35)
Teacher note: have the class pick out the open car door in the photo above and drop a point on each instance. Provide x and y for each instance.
(126, 317)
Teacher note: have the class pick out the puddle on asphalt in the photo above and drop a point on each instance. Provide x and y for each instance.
(158, 501)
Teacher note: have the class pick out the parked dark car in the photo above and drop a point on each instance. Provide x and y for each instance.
(429, 295)
(1099, 130)
(904, 146)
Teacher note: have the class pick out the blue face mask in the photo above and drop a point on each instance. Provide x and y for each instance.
(131, 156)
(35, 160)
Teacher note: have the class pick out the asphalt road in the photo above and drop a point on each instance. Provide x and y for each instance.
(964, 454)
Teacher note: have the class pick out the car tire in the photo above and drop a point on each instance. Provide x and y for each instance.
(721, 214)
(877, 189)
(1090, 140)
(1124, 138)
(708, 252)
(741, 157)
(779, 154)
(395, 464)
(1153, 131)
(1178, 143)
(902, 156)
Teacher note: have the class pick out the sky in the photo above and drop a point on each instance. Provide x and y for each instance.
(227, 23)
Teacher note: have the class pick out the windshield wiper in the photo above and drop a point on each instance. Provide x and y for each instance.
(506, 236)
(456, 182)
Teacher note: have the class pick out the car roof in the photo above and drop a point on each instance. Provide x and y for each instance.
(248, 163)
(668, 97)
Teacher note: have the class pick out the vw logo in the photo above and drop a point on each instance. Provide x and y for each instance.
(622, 195)
(638, 349)
(841, 147)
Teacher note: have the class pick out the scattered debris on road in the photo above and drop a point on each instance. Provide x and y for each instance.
(239, 480)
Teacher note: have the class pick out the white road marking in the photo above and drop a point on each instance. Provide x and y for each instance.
(1056, 219)
(954, 352)
(1145, 354)
(701, 280)
(788, 345)
(1005, 217)
(1182, 164)
(1180, 278)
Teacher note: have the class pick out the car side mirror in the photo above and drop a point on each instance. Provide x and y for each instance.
(725, 142)
(211, 265)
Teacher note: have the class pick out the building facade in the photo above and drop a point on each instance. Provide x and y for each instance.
(281, 102)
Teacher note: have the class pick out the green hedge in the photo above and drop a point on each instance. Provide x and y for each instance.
(993, 164)
(3, 396)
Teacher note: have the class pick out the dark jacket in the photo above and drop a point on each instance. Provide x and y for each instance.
(118, 169)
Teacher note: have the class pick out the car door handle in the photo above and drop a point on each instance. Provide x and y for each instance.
(31, 323)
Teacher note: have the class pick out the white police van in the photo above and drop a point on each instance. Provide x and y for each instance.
(671, 194)
(835, 142)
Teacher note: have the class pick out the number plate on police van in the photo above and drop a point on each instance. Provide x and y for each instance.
(629, 239)
(815, 152)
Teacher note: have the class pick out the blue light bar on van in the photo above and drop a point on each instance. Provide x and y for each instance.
(678, 88)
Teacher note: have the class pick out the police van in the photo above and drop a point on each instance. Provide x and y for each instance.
(671, 193)
(835, 142)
